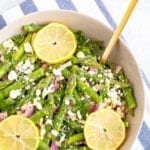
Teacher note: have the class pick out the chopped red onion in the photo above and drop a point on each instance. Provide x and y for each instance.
(93, 108)
(53, 146)
(27, 110)
(59, 78)
(3, 115)
(117, 69)
(55, 86)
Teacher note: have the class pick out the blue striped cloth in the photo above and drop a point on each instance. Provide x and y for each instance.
(98, 9)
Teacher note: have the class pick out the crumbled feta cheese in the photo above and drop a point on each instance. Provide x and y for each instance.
(110, 75)
(38, 92)
(39, 106)
(43, 131)
(25, 67)
(82, 98)
(71, 114)
(112, 93)
(116, 86)
(65, 65)
(79, 115)
(12, 75)
(80, 55)
(57, 72)
(8, 44)
(83, 79)
(62, 138)
(101, 81)
(15, 48)
(49, 121)
(67, 102)
(26, 78)
(54, 132)
(15, 93)
(28, 87)
(107, 81)
(48, 90)
(85, 67)
(92, 72)
(28, 48)
(96, 87)
(100, 75)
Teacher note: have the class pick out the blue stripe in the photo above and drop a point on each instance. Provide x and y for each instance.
(2, 22)
(28, 7)
(145, 79)
(66, 4)
(106, 13)
(144, 136)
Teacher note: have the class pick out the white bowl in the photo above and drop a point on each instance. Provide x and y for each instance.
(94, 29)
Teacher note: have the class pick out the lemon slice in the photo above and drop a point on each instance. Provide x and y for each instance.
(18, 133)
(54, 43)
(104, 130)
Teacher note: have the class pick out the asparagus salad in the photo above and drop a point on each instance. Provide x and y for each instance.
(66, 103)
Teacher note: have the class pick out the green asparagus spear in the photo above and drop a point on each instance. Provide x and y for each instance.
(127, 92)
(49, 116)
(83, 87)
(75, 138)
(37, 74)
(84, 73)
(4, 84)
(89, 61)
(6, 67)
(18, 39)
(73, 125)
(43, 146)
(32, 27)
(58, 120)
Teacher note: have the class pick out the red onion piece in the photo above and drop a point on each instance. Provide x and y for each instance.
(93, 108)
(3, 115)
(93, 71)
(59, 78)
(53, 146)
(27, 110)
(55, 86)
(117, 69)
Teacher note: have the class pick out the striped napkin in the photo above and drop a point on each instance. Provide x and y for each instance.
(104, 11)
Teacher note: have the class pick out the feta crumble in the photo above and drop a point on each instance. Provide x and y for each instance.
(48, 90)
(62, 138)
(67, 102)
(39, 106)
(54, 132)
(57, 72)
(80, 55)
(12, 75)
(15, 93)
(38, 92)
(79, 115)
(25, 67)
(49, 121)
(28, 48)
(8, 44)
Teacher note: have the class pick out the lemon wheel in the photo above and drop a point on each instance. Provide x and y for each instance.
(18, 133)
(55, 43)
(104, 130)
